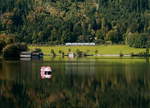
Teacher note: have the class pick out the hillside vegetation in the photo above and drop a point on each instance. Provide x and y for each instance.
(61, 21)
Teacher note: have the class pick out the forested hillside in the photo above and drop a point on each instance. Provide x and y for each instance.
(61, 21)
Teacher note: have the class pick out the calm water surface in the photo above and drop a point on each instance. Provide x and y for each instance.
(76, 83)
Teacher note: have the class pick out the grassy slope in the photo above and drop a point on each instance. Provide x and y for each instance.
(102, 49)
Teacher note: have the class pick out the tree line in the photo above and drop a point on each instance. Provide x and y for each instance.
(61, 21)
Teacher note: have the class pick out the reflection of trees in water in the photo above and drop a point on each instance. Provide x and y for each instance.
(110, 86)
(85, 92)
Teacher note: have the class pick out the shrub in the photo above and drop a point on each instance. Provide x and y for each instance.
(80, 53)
(13, 50)
(69, 50)
(22, 46)
(63, 54)
(53, 52)
(132, 54)
(121, 54)
(59, 51)
(96, 52)
(36, 50)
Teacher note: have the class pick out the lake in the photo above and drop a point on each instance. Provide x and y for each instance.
(76, 83)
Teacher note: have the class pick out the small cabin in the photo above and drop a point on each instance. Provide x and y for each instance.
(25, 54)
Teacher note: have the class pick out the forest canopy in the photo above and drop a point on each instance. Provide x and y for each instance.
(61, 21)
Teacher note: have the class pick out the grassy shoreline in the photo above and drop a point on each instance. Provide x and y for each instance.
(101, 49)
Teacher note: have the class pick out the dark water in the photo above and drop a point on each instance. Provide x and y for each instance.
(77, 83)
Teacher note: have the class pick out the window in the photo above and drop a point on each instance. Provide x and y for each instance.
(47, 72)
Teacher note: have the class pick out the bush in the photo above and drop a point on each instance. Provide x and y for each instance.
(13, 50)
(69, 50)
(121, 54)
(137, 40)
(59, 51)
(96, 52)
(53, 52)
(22, 46)
(37, 50)
(80, 53)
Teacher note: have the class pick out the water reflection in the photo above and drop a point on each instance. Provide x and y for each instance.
(88, 83)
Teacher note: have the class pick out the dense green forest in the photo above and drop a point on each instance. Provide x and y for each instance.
(61, 21)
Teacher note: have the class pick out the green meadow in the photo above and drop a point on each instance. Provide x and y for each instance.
(101, 49)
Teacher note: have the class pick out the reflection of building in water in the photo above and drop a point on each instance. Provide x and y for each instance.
(80, 67)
